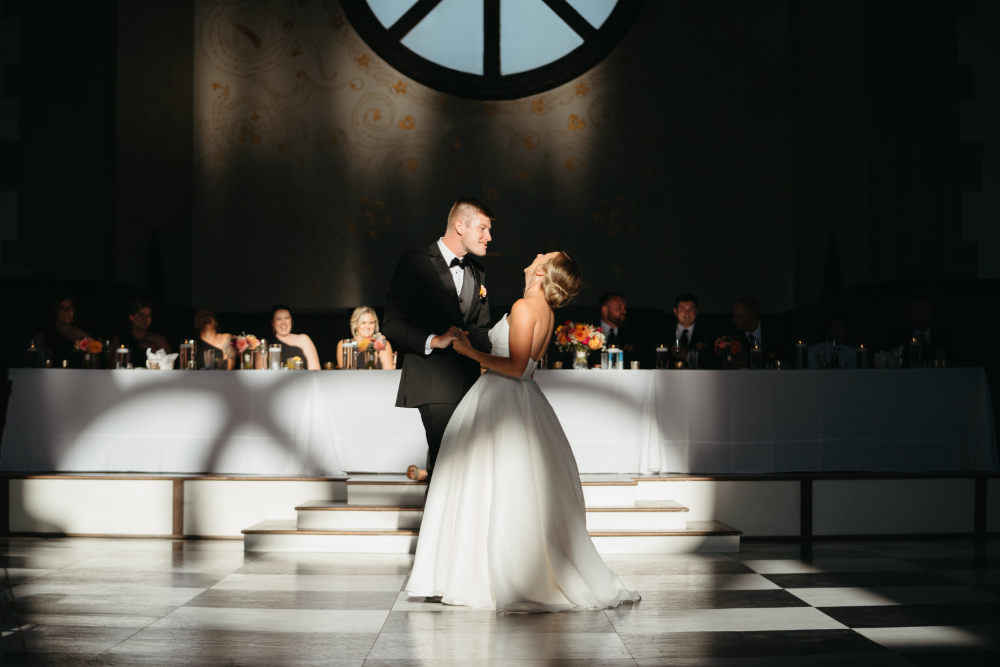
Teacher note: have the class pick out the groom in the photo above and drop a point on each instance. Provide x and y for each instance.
(435, 294)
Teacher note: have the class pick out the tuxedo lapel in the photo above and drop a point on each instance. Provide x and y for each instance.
(447, 282)
(476, 301)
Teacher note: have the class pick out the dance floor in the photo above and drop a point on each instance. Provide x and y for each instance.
(159, 602)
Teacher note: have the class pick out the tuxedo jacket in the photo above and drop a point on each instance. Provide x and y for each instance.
(706, 355)
(774, 343)
(633, 345)
(422, 301)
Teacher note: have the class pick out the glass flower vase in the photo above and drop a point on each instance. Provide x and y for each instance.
(580, 361)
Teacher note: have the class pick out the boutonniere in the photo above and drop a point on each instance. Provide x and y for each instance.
(482, 292)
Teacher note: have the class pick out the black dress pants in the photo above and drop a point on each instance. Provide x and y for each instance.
(435, 417)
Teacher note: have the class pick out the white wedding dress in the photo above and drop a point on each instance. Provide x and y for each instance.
(504, 524)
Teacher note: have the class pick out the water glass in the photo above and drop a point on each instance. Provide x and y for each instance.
(274, 357)
(349, 354)
(605, 360)
(662, 358)
(693, 359)
(122, 357)
(187, 351)
(209, 359)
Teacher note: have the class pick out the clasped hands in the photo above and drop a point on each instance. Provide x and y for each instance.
(454, 337)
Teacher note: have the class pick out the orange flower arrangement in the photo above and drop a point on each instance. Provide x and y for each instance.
(91, 345)
(578, 336)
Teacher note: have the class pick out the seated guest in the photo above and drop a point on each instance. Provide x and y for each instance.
(61, 333)
(691, 336)
(748, 329)
(932, 344)
(139, 338)
(292, 344)
(364, 324)
(833, 347)
(613, 316)
(209, 338)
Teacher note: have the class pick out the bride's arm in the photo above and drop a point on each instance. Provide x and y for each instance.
(522, 328)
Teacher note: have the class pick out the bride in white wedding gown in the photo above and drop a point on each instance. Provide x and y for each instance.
(504, 523)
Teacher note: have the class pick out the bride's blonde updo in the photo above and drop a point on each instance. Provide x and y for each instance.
(563, 279)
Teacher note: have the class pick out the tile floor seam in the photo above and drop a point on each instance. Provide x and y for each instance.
(385, 622)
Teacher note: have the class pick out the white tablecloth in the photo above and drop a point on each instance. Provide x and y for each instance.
(288, 423)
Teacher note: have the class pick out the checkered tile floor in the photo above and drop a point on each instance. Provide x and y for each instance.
(858, 603)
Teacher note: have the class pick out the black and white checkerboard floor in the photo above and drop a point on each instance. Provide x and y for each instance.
(152, 602)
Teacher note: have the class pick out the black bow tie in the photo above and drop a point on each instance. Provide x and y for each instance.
(455, 261)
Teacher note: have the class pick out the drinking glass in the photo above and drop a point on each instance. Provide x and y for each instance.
(187, 359)
(209, 359)
(33, 357)
(662, 358)
(122, 357)
(274, 357)
(349, 354)
(693, 359)
(756, 357)
(605, 360)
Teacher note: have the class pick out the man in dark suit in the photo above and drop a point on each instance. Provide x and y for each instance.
(931, 343)
(440, 289)
(748, 329)
(688, 335)
(613, 323)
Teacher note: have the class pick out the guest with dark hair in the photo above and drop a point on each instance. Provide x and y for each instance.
(139, 338)
(688, 335)
(936, 344)
(832, 351)
(292, 344)
(209, 338)
(61, 332)
(749, 331)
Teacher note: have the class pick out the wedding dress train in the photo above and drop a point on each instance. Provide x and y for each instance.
(504, 524)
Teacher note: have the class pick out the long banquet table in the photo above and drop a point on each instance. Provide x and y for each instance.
(291, 423)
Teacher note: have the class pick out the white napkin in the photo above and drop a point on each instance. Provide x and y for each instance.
(166, 360)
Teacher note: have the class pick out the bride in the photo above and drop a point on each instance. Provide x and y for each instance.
(504, 524)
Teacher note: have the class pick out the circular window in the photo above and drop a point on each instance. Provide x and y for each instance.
(492, 49)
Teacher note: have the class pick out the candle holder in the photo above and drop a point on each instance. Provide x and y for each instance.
(801, 355)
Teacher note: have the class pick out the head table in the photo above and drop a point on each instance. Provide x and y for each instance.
(309, 423)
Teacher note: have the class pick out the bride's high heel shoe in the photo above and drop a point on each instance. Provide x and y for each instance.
(416, 473)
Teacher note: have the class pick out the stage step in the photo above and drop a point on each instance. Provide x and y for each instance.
(385, 490)
(398, 490)
(699, 536)
(643, 515)
(337, 515)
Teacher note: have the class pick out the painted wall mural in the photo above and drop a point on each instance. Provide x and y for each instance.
(666, 167)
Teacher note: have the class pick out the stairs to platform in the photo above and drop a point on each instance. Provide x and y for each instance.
(382, 514)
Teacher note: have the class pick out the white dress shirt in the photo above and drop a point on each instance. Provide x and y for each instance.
(457, 274)
(607, 329)
(756, 335)
(680, 332)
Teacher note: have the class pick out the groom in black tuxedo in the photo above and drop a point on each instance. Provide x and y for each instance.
(435, 294)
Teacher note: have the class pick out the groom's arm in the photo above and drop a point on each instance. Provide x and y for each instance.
(398, 325)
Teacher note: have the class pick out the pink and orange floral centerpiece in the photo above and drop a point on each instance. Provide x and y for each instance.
(88, 347)
(246, 344)
(727, 347)
(582, 339)
(371, 348)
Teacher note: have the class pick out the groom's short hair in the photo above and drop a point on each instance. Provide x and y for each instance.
(466, 206)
